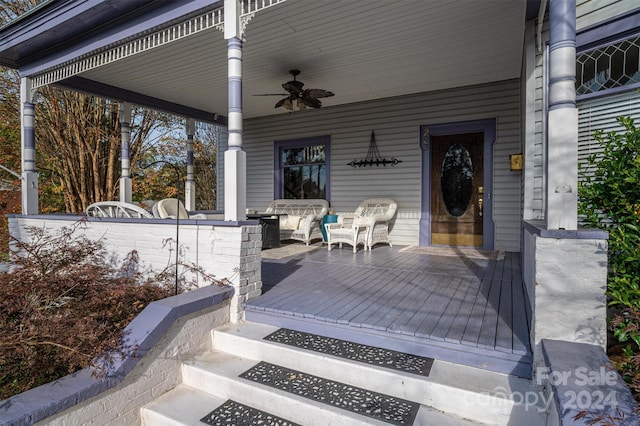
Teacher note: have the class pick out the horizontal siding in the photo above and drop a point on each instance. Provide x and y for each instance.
(601, 114)
(591, 12)
(588, 13)
(396, 123)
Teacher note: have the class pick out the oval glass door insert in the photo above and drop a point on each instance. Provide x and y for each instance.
(456, 182)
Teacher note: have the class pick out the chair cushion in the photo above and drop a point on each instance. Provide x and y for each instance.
(291, 222)
(362, 221)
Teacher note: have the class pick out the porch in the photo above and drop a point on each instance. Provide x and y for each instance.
(458, 305)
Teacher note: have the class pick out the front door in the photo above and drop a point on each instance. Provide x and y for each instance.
(457, 189)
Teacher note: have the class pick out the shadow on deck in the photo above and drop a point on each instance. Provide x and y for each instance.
(454, 305)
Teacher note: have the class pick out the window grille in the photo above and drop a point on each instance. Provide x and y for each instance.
(608, 67)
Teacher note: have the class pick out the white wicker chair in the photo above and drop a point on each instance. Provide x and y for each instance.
(368, 225)
(170, 208)
(117, 209)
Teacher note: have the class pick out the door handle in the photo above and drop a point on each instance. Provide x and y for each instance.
(480, 202)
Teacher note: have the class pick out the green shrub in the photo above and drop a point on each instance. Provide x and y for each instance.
(609, 199)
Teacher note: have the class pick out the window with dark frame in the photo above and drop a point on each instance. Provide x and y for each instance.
(302, 168)
(608, 67)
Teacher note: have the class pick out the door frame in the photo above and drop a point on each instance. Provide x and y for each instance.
(488, 128)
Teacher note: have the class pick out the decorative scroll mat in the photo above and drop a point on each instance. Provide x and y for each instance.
(455, 251)
(287, 250)
(234, 413)
(353, 351)
(374, 405)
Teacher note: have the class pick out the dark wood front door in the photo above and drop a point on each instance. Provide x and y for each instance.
(457, 189)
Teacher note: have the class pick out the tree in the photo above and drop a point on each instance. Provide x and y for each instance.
(160, 181)
(205, 166)
(79, 142)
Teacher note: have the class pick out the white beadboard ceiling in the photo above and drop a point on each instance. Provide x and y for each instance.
(358, 49)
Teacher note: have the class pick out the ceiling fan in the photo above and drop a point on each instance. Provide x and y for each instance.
(302, 98)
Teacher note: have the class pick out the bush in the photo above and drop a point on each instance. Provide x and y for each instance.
(610, 200)
(64, 307)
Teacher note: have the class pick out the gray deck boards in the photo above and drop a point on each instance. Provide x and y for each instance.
(469, 304)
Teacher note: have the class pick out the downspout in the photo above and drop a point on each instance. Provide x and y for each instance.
(541, 12)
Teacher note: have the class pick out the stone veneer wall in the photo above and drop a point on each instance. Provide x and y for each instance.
(165, 333)
(228, 250)
(565, 274)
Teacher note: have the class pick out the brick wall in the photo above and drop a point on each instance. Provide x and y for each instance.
(228, 250)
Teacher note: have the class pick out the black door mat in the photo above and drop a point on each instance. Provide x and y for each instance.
(353, 351)
(375, 405)
(234, 413)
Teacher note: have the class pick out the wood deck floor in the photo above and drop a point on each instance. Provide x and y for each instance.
(458, 307)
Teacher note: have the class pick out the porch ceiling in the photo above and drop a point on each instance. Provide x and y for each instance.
(360, 50)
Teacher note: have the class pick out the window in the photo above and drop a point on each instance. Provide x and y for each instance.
(302, 168)
(609, 67)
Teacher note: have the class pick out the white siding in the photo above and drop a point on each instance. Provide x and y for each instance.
(602, 114)
(396, 123)
(588, 13)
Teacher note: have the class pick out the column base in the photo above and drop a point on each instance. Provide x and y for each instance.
(30, 193)
(235, 185)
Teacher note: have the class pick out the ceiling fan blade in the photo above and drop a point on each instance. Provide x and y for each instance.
(318, 93)
(311, 101)
(294, 87)
(280, 102)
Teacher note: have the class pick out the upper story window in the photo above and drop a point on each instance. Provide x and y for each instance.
(609, 67)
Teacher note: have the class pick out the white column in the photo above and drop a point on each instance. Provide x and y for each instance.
(125, 157)
(235, 191)
(190, 185)
(562, 146)
(28, 137)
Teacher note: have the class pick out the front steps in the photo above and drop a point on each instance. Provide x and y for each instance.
(450, 395)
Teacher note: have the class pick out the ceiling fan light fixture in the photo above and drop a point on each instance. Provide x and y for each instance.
(303, 98)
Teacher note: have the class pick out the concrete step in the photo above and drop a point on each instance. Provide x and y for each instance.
(217, 373)
(450, 395)
(184, 405)
(466, 392)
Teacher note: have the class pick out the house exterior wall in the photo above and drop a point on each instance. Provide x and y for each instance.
(588, 13)
(396, 123)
